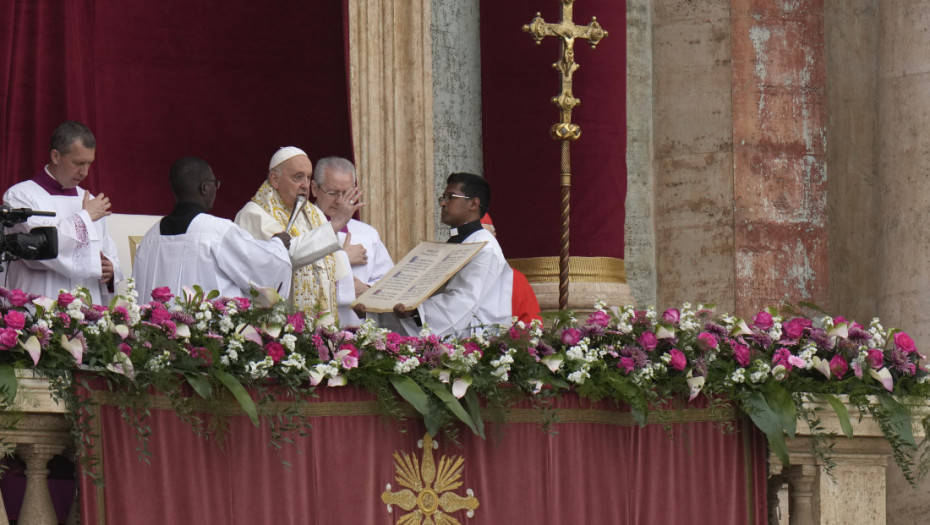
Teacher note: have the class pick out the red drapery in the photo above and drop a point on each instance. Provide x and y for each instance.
(521, 161)
(596, 467)
(227, 81)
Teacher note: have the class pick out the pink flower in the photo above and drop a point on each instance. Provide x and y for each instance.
(126, 349)
(472, 347)
(741, 354)
(707, 340)
(64, 299)
(839, 319)
(162, 294)
(794, 328)
(65, 318)
(762, 320)
(15, 320)
(160, 316)
(838, 366)
(782, 357)
(244, 303)
(275, 351)
(626, 364)
(202, 353)
(648, 341)
(672, 315)
(904, 342)
(296, 320)
(599, 318)
(679, 361)
(571, 336)
(8, 338)
(875, 358)
(18, 297)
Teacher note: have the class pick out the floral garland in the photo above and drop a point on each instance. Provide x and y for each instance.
(769, 366)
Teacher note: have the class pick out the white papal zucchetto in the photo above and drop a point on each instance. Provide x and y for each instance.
(283, 154)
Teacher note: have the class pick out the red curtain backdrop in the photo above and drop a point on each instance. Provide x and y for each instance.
(229, 81)
(521, 161)
(594, 467)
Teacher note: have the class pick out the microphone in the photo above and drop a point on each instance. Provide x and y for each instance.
(301, 200)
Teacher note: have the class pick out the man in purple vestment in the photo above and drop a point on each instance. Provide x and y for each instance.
(86, 253)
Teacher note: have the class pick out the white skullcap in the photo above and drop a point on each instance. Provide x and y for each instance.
(283, 154)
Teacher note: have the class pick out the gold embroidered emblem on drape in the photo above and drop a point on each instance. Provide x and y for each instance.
(428, 494)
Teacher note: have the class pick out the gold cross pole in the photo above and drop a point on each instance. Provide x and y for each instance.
(564, 130)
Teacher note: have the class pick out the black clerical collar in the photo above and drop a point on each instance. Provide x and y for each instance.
(462, 232)
(180, 218)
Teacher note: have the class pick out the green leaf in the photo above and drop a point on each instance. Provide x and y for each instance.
(780, 401)
(200, 383)
(474, 409)
(842, 414)
(239, 392)
(633, 396)
(413, 394)
(213, 295)
(8, 383)
(453, 405)
(899, 418)
(769, 423)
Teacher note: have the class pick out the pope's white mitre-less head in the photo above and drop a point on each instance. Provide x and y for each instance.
(283, 154)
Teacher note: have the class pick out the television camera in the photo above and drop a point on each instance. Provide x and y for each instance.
(38, 243)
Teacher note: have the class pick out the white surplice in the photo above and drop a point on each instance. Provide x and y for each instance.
(478, 297)
(80, 242)
(379, 263)
(215, 254)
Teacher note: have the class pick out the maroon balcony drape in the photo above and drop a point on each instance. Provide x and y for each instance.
(229, 81)
(595, 466)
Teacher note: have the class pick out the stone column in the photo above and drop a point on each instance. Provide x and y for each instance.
(37, 501)
(391, 98)
(802, 481)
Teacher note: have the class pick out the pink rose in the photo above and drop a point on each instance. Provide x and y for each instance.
(18, 297)
(875, 358)
(707, 339)
(8, 338)
(741, 354)
(648, 341)
(472, 347)
(839, 319)
(672, 315)
(762, 320)
(126, 349)
(275, 351)
(162, 294)
(679, 361)
(571, 336)
(794, 328)
(296, 320)
(159, 316)
(15, 320)
(626, 364)
(782, 357)
(599, 318)
(904, 342)
(244, 303)
(64, 299)
(838, 366)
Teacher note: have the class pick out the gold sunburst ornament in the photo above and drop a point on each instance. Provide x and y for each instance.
(428, 494)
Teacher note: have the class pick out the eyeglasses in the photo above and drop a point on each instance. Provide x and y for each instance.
(215, 182)
(447, 197)
(333, 194)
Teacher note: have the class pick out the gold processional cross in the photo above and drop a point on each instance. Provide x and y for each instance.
(565, 131)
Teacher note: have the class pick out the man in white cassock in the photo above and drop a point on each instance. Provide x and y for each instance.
(478, 297)
(189, 246)
(332, 178)
(86, 253)
(318, 263)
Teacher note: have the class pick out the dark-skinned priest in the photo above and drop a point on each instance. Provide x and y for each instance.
(478, 297)
(189, 246)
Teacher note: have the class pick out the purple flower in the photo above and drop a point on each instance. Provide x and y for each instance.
(162, 294)
(571, 336)
(678, 361)
(672, 315)
(838, 366)
(762, 320)
(15, 320)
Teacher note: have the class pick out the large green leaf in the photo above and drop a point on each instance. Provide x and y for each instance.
(899, 418)
(780, 401)
(239, 392)
(474, 409)
(633, 396)
(453, 405)
(769, 423)
(413, 394)
(200, 383)
(8, 383)
(842, 414)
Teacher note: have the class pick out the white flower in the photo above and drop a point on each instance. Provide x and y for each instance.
(289, 341)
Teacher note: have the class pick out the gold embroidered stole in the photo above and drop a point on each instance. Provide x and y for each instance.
(314, 285)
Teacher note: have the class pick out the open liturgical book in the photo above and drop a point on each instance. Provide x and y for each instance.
(418, 275)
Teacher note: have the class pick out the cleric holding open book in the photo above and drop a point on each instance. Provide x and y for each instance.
(479, 295)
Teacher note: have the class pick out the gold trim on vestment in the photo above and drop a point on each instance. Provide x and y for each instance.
(580, 269)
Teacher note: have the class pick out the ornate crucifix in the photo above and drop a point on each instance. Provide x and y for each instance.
(565, 131)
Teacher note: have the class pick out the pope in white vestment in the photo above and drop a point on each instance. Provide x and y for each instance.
(80, 242)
